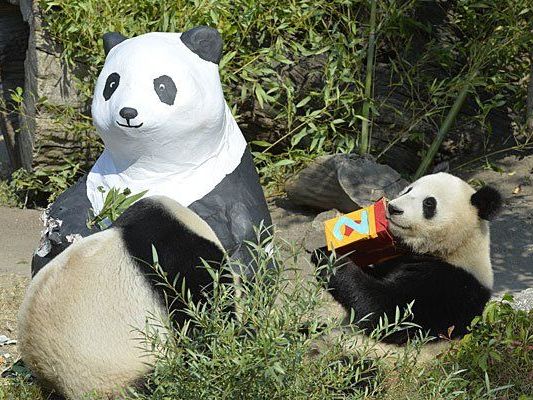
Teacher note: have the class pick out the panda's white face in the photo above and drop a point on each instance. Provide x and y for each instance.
(155, 96)
(435, 214)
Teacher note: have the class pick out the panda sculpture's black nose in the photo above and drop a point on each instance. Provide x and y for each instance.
(128, 113)
(393, 210)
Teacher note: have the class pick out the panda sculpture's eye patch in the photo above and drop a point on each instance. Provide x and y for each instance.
(111, 84)
(429, 206)
(166, 89)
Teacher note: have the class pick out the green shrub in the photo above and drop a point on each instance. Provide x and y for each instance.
(498, 352)
(262, 350)
(269, 45)
(38, 187)
(19, 389)
(267, 349)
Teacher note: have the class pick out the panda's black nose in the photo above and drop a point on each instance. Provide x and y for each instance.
(393, 210)
(128, 113)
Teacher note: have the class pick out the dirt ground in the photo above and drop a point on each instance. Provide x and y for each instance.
(19, 233)
(512, 240)
(512, 231)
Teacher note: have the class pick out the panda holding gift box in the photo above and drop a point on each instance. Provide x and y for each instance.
(160, 110)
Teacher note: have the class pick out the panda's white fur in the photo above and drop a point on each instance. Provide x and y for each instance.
(82, 320)
(456, 233)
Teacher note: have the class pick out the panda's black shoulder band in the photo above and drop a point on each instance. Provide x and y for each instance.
(488, 202)
(204, 41)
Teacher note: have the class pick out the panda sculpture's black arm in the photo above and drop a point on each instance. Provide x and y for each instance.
(235, 208)
(444, 296)
(64, 218)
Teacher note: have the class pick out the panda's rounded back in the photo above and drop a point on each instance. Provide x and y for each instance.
(81, 321)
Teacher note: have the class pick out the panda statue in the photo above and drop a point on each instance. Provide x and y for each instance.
(84, 315)
(447, 272)
(159, 108)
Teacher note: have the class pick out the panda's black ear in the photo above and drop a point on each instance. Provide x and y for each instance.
(111, 39)
(488, 202)
(206, 42)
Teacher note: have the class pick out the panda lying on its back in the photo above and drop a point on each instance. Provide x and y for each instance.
(448, 275)
(81, 320)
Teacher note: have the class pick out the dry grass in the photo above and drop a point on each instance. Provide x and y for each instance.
(12, 288)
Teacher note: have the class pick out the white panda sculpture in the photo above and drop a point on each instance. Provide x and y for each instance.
(81, 321)
(159, 108)
(447, 271)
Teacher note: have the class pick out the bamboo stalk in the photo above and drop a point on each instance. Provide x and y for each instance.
(443, 131)
(364, 148)
(529, 109)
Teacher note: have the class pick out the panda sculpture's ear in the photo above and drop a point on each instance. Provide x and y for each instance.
(204, 41)
(111, 39)
(488, 202)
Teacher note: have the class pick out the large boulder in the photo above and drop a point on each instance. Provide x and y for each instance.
(345, 182)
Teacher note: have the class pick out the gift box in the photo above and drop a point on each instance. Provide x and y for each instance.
(362, 233)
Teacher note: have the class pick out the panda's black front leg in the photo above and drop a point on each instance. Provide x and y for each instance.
(368, 296)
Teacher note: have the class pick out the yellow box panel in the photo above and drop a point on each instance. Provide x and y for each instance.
(350, 228)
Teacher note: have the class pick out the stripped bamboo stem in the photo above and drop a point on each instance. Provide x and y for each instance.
(364, 147)
(443, 131)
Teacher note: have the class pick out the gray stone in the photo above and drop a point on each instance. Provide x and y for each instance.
(524, 300)
(315, 236)
(344, 182)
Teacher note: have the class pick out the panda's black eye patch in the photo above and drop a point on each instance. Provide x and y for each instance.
(407, 191)
(429, 206)
(166, 89)
(111, 84)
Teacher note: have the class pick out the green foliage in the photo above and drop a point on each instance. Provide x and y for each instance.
(259, 37)
(42, 185)
(498, 352)
(493, 361)
(19, 389)
(483, 44)
(264, 42)
(17, 96)
(269, 43)
(39, 187)
(8, 195)
(115, 203)
(262, 350)
(262, 338)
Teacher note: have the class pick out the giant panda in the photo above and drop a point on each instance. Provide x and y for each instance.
(82, 320)
(442, 223)
(159, 108)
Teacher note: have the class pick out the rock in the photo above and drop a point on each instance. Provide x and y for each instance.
(4, 340)
(315, 236)
(344, 182)
(524, 300)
